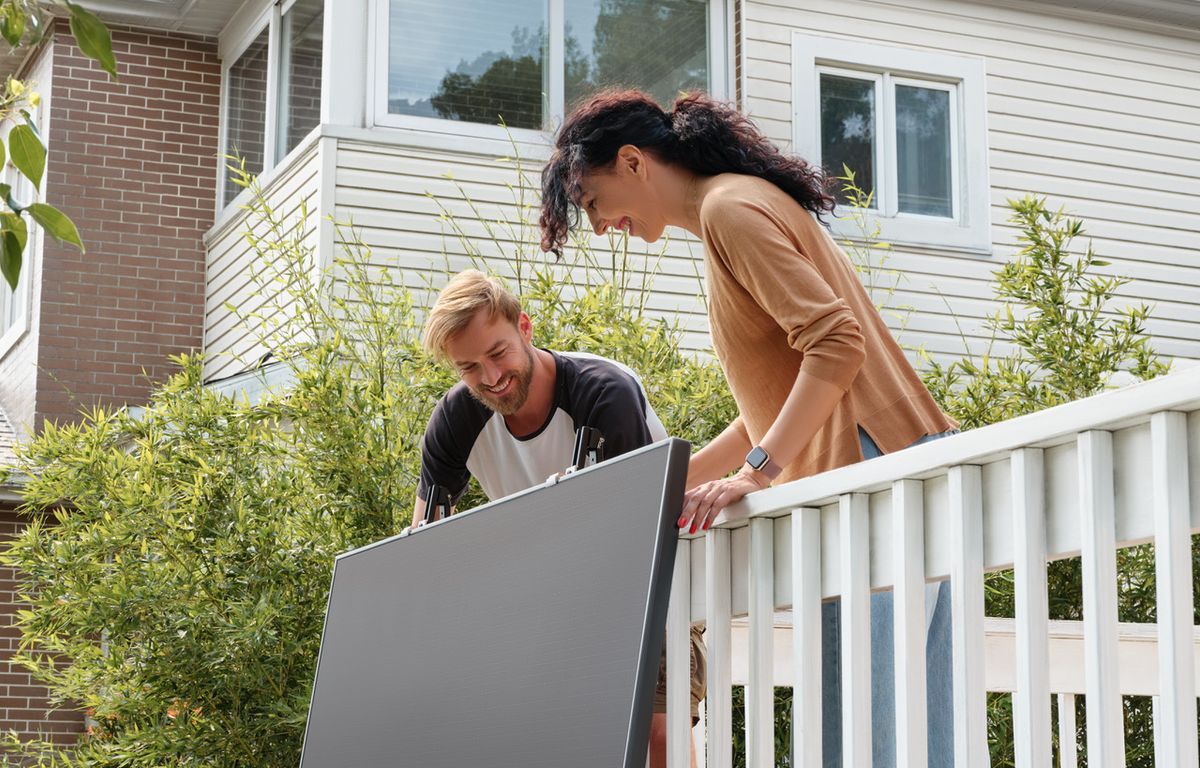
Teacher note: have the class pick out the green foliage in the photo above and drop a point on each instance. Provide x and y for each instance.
(180, 557)
(22, 26)
(1070, 340)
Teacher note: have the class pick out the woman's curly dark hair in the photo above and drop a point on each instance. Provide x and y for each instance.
(699, 133)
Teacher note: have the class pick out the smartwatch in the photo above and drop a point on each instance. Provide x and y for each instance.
(760, 460)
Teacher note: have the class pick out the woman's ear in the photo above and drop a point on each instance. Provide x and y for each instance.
(631, 159)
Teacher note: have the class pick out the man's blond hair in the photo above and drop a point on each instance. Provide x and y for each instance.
(466, 293)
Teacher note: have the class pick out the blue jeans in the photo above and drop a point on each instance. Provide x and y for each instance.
(939, 684)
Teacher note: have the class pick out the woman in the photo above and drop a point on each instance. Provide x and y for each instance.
(818, 379)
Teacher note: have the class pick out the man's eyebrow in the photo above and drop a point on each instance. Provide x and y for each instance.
(496, 346)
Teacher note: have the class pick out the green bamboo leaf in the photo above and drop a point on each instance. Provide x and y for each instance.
(56, 223)
(93, 38)
(27, 152)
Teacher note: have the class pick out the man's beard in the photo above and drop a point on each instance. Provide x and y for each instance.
(511, 402)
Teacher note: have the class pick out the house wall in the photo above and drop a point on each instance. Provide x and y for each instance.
(1100, 119)
(132, 162)
(396, 190)
(24, 706)
(232, 340)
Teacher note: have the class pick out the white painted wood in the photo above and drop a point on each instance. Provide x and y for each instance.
(344, 63)
(760, 690)
(1160, 747)
(806, 638)
(1175, 708)
(679, 716)
(1105, 728)
(966, 590)
(1068, 750)
(1031, 709)
(908, 560)
(718, 703)
(856, 632)
(1137, 657)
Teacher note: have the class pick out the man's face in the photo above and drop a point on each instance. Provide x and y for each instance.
(494, 358)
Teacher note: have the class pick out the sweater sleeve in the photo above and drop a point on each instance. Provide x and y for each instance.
(786, 284)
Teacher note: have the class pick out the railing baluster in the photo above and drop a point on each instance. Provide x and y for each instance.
(1173, 573)
(966, 592)
(1031, 708)
(806, 638)
(760, 687)
(1105, 725)
(1068, 756)
(908, 558)
(718, 702)
(856, 630)
(679, 719)
(760, 684)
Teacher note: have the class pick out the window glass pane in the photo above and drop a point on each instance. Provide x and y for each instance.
(848, 129)
(659, 46)
(923, 136)
(475, 60)
(300, 73)
(246, 118)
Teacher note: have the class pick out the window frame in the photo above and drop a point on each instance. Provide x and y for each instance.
(22, 297)
(969, 228)
(720, 67)
(237, 38)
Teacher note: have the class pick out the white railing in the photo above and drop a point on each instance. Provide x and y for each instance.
(1083, 479)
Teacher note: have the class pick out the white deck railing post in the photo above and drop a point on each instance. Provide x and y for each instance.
(718, 701)
(966, 593)
(1105, 723)
(1068, 752)
(856, 630)
(908, 559)
(760, 688)
(679, 716)
(1175, 711)
(1031, 700)
(806, 638)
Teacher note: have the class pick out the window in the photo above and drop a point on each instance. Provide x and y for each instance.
(490, 61)
(272, 87)
(14, 303)
(910, 125)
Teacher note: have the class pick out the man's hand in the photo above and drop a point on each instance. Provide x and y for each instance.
(703, 503)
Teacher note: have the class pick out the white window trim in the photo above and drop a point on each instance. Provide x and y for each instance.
(970, 230)
(720, 67)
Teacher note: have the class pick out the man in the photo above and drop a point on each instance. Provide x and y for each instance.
(511, 420)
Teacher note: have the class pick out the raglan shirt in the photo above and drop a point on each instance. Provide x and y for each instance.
(465, 438)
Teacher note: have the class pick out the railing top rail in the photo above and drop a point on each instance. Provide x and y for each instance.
(1114, 410)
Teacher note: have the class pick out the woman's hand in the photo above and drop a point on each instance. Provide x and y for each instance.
(702, 504)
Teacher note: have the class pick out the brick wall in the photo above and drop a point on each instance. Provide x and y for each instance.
(133, 163)
(23, 704)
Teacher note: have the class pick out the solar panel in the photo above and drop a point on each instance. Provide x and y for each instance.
(523, 633)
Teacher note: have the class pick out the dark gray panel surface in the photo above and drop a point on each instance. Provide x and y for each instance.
(534, 640)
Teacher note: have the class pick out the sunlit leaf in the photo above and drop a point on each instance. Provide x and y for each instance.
(56, 223)
(93, 38)
(27, 152)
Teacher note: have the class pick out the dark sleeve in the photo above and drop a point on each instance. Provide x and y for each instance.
(618, 410)
(443, 457)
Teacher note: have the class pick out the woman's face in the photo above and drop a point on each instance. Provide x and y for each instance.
(623, 196)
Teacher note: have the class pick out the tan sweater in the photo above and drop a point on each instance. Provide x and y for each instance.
(782, 297)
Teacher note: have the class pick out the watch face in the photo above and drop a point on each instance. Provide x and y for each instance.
(757, 457)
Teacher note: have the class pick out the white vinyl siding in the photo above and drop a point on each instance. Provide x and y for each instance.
(394, 194)
(1100, 119)
(232, 346)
